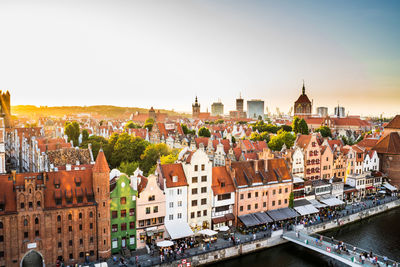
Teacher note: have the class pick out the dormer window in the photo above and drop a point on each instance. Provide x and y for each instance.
(78, 181)
(152, 198)
(222, 184)
(174, 179)
(57, 183)
(68, 196)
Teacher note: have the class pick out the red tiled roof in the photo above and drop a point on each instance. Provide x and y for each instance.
(303, 99)
(303, 140)
(143, 183)
(367, 142)
(249, 156)
(224, 142)
(394, 123)
(220, 175)
(171, 170)
(101, 164)
(203, 140)
(389, 144)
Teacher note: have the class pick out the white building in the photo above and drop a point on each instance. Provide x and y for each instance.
(371, 161)
(298, 162)
(357, 181)
(198, 172)
(219, 155)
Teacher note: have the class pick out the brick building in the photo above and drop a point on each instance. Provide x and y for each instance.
(63, 215)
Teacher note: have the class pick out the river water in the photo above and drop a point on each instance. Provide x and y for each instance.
(380, 233)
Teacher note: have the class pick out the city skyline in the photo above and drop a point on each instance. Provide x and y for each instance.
(77, 53)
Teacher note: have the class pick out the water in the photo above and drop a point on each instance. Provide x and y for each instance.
(380, 233)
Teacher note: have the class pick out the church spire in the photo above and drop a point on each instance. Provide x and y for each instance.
(304, 89)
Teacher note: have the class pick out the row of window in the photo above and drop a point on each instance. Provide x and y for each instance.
(148, 209)
(151, 221)
(171, 204)
(312, 162)
(273, 203)
(249, 194)
(192, 214)
(203, 179)
(114, 213)
(114, 227)
(203, 202)
(203, 190)
(70, 242)
(171, 216)
(59, 229)
(196, 167)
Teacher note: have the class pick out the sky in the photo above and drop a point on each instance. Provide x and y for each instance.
(164, 53)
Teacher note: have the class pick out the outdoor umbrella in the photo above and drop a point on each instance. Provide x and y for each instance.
(208, 232)
(165, 243)
(224, 228)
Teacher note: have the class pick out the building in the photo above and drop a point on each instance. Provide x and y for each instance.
(150, 211)
(123, 214)
(223, 203)
(255, 109)
(198, 171)
(303, 106)
(195, 109)
(322, 111)
(312, 153)
(298, 162)
(5, 109)
(217, 109)
(239, 104)
(340, 112)
(2, 147)
(58, 215)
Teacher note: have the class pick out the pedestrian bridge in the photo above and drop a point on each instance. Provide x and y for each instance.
(327, 247)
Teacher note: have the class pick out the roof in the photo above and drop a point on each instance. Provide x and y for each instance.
(303, 98)
(171, 170)
(201, 140)
(143, 183)
(389, 144)
(220, 175)
(394, 123)
(368, 142)
(101, 164)
(303, 140)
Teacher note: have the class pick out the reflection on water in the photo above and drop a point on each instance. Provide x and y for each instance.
(381, 234)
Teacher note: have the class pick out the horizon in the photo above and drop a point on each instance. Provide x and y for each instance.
(143, 54)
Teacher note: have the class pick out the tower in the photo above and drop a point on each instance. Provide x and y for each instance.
(101, 188)
(303, 105)
(239, 103)
(152, 114)
(195, 109)
(5, 108)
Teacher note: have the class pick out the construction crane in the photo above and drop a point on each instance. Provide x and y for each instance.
(290, 111)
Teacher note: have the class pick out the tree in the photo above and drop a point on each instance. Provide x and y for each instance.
(97, 143)
(168, 159)
(185, 129)
(303, 127)
(151, 154)
(291, 200)
(128, 167)
(325, 131)
(204, 132)
(265, 136)
(219, 121)
(255, 136)
(295, 125)
(85, 135)
(127, 148)
(131, 125)
(149, 124)
(233, 139)
(71, 129)
(277, 141)
(286, 128)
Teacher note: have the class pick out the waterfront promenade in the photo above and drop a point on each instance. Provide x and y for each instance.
(264, 237)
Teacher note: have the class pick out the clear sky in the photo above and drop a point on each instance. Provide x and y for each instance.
(163, 53)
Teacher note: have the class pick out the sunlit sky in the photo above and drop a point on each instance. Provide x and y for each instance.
(164, 53)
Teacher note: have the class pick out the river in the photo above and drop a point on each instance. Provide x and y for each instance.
(380, 233)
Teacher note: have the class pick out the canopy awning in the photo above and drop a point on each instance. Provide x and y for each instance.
(263, 217)
(317, 204)
(389, 187)
(301, 202)
(282, 214)
(332, 201)
(306, 209)
(177, 230)
(249, 220)
(225, 218)
(207, 232)
(370, 187)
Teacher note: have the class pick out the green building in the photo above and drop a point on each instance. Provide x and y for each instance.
(123, 214)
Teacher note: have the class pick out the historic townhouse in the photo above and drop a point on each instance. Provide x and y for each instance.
(326, 162)
(312, 155)
(198, 172)
(50, 216)
(371, 161)
(298, 162)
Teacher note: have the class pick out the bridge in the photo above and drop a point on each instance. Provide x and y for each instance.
(326, 246)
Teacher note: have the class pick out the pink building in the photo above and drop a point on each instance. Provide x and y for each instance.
(326, 162)
(150, 206)
(312, 155)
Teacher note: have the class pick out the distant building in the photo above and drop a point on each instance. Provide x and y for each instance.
(239, 104)
(303, 105)
(195, 109)
(5, 108)
(255, 109)
(322, 111)
(217, 109)
(340, 112)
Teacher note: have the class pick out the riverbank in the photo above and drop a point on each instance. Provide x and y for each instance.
(275, 240)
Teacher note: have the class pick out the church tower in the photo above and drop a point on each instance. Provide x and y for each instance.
(101, 188)
(303, 105)
(195, 109)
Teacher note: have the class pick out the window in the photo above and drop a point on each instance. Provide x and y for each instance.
(256, 194)
(273, 202)
(37, 233)
(91, 214)
(280, 190)
(71, 256)
(141, 223)
(70, 228)
(147, 210)
(194, 180)
(80, 227)
(26, 235)
(123, 213)
(194, 203)
(30, 204)
(22, 205)
(286, 190)
(179, 192)
(264, 204)
(222, 184)
(81, 241)
(179, 203)
(114, 214)
(241, 208)
(81, 254)
(36, 220)
(171, 204)
(248, 207)
(196, 168)
(224, 196)
(179, 215)
(132, 212)
(131, 225)
(222, 208)
(152, 198)
(248, 195)
(203, 167)
(91, 225)
(285, 201)
(199, 214)
(59, 230)
(241, 196)
(204, 178)
(122, 200)
(58, 218)
(59, 244)
(192, 215)
(274, 192)
(1, 238)
(204, 212)
(203, 201)
(171, 217)
(204, 190)
(155, 209)
(123, 226)
(256, 206)
(70, 216)
(279, 202)
(38, 203)
(194, 191)
(25, 222)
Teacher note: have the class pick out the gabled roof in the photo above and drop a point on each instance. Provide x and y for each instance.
(389, 144)
(101, 164)
(303, 140)
(368, 143)
(394, 123)
(303, 98)
(220, 175)
(171, 170)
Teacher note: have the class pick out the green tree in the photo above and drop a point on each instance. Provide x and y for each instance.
(255, 136)
(97, 143)
(85, 135)
(185, 129)
(325, 131)
(286, 128)
(233, 139)
(295, 125)
(265, 136)
(168, 159)
(149, 124)
(128, 167)
(204, 132)
(303, 127)
(127, 148)
(151, 154)
(71, 129)
(281, 138)
(131, 125)
(291, 200)
(219, 121)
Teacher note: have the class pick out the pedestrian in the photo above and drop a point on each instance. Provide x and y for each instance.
(332, 240)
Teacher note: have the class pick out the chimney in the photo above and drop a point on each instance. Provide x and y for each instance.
(13, 173)
(68, 167)
(266, 165)
(255, 162)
